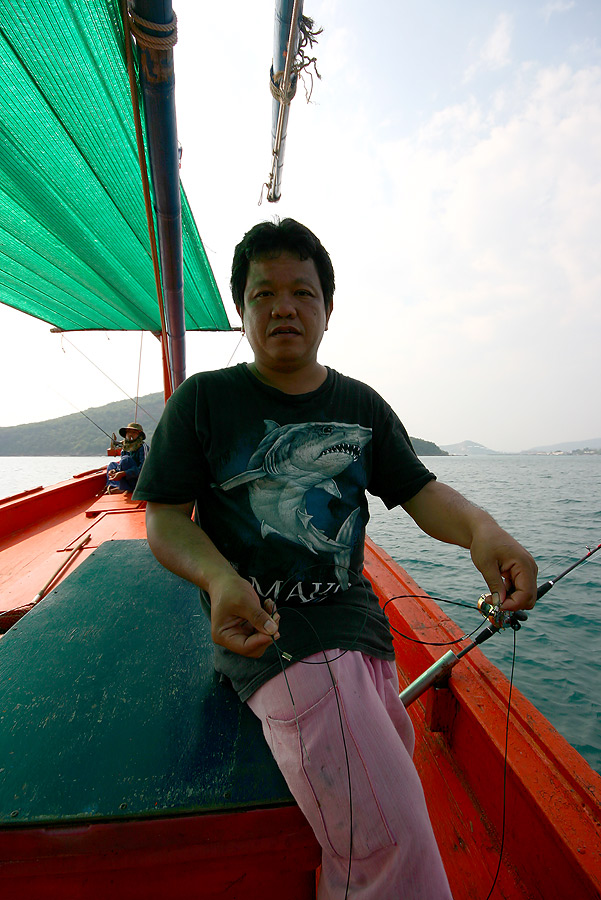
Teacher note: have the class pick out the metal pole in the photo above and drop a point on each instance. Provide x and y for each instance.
(273, 193)
(157, 81)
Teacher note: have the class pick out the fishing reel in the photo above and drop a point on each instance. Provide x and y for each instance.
(500, 618)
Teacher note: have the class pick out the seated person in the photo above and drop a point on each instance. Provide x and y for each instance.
(276, 456)
(123, 475)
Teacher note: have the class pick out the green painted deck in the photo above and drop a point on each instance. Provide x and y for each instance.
(110, 707)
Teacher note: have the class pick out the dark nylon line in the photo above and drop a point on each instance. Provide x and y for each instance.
(291, 658)
(438, 600)
(81, 412)
(348, 765)
(92, 363)
(544, 588)
(503, 815)
(541, 590)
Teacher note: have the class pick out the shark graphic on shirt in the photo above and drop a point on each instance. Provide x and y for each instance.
(292, 460)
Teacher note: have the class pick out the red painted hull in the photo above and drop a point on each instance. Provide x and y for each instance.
(553, 812)
(246, 855)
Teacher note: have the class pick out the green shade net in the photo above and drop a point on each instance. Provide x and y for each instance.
(74, 246)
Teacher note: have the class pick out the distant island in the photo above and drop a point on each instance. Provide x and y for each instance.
(427, 448)
(468, 448)
(82, 434)
(588, 447)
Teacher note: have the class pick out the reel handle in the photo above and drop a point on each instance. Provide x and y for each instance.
(500, 618)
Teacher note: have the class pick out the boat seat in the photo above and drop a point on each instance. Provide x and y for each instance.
(114, 705)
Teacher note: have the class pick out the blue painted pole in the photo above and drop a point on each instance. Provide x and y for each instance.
(157, 81)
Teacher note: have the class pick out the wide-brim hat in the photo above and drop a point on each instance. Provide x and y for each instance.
(133, 426)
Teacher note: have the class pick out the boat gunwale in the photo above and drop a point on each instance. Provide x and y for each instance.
(18, 513)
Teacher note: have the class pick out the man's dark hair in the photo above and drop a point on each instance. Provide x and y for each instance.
(268, 240)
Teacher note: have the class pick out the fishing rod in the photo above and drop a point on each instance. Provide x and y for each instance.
(91, 361)
(112, 438)
(498, 620)
(544, 588)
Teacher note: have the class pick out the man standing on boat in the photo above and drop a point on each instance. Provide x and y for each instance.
(275, 459)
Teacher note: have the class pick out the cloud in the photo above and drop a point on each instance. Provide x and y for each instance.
(474, 261)
(514, 193)
(556, 8)
(494, 53)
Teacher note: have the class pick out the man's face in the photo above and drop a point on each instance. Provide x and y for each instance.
(284, 313)
(131, 434)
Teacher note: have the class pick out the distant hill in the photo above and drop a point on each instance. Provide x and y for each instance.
(468, 448)
(471, 448)
(567, 446)
(427, 448)
(75, 435)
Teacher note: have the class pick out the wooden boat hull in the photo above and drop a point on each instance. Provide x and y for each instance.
(55, 842)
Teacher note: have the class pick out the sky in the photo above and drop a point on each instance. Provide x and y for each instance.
(450, 162)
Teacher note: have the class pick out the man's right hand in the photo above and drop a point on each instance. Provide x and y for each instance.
(238, 621)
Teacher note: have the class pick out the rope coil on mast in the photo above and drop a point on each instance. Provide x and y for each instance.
(153, 42)
(278, 92)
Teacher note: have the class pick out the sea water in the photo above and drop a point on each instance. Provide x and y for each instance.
(551, 504)
(22, 473)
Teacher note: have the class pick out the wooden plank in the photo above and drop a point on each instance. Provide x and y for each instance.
(111, 502)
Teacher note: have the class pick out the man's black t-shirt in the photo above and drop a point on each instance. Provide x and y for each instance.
(279, 482)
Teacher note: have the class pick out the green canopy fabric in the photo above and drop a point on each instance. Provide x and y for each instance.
(74, 247)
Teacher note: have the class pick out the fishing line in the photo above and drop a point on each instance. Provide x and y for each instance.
(228, 363)
(81, 412)
(544, 588)
(326, 662)
(139, 371)
(511, 679)
(298, 728)
(504, 802)
(107, 376)
(439, 600)
(464, 637)
(541, 591)
(283, 655)
(346, 650)
(360, 583)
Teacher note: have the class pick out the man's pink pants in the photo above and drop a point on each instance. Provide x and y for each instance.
(394, 853)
